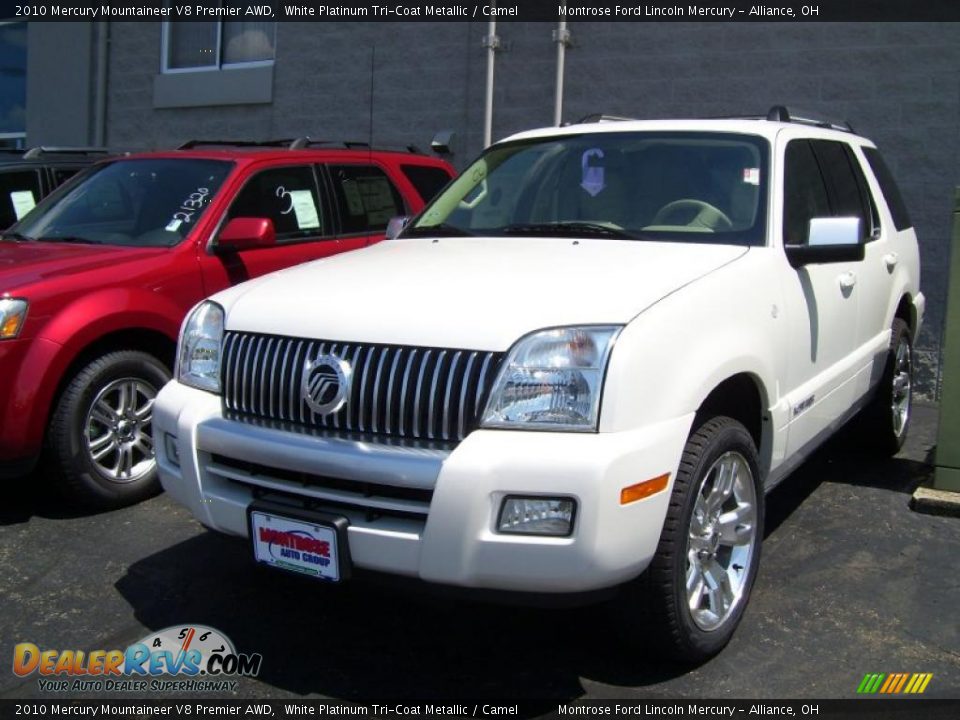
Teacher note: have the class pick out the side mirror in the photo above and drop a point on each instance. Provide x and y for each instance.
(830, 240)
(442, 142)
(246, 233)
(396, 226)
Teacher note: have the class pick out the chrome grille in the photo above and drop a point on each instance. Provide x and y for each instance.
(409, 392)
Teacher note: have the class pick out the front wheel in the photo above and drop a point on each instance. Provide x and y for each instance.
(694, 592)
(100, 437)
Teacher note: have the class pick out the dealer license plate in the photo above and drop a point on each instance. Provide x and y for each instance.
(305, 545)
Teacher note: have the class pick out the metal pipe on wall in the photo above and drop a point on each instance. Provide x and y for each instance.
(491, 42)
(100, 109)
(562, 37)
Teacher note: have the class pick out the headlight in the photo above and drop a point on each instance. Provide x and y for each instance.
(12, 314)
(552, 380)
(198, 359)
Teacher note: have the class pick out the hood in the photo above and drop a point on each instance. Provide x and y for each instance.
(470, 293)
(23, 264)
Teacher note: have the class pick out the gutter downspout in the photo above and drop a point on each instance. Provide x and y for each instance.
(561, 36)
(492, 43)
(100, 110)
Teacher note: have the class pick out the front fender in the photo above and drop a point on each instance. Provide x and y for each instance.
(61, 341)
(675, 353)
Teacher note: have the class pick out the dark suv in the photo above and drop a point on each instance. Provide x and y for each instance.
(26, 177)
(96, 279)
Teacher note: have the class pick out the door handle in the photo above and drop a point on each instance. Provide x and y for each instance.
(891, 260)
(847, 280)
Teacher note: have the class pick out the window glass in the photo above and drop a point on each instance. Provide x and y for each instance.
(19, 192)
(683, 186)
(192, 44)
(248, 41)
(847, 199)
(142, 202)
(288, 197)
(804, 194)
(427, 180)
(216, 44)
(13, 79)
(366, 198)
(888, 186)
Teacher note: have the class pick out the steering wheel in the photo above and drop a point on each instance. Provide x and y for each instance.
(706, 215)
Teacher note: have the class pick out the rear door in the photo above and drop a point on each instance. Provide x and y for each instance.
(891, 248)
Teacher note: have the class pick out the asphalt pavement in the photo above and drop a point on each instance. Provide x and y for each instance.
(851, 582)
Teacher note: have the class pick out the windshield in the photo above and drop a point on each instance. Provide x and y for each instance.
(689, 187)
(140, 203)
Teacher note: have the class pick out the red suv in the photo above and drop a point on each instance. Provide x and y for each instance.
(95, 281)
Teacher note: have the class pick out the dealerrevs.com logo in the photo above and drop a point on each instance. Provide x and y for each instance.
(177, 659)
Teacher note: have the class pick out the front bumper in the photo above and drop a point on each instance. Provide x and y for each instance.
(430, 512)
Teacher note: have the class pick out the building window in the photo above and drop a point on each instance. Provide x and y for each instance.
(13, 83)
(191, 46)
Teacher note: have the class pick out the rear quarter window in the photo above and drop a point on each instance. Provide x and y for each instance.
(366, 198)
(19, 192)
(428, 181)
(888, 186)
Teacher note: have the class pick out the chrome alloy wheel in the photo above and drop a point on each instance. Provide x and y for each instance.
(117, 430)
(902, 386)
(721, 540)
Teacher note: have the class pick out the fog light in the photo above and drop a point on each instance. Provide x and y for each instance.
(537, 516)
(170, 447)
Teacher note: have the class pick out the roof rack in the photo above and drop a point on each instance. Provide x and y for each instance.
(307, 141)
(295, 144)
(781, 113)
(600, 118)
(42, 150)
(284, 142)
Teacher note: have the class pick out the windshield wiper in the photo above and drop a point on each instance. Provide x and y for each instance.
(70, 239)
(441, 230)
(587, 229)
(16, 237)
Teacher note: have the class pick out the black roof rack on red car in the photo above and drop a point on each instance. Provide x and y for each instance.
(305, 142)
(299, 143)
(279, 143)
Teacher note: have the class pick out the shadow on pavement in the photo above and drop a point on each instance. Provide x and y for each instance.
(35, 496)
(364, 641)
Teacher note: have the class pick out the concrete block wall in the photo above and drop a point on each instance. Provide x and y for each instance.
(897, 83)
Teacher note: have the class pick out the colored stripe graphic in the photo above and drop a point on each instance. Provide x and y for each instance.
(894, 683)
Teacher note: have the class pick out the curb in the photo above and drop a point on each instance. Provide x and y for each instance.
(929, 501)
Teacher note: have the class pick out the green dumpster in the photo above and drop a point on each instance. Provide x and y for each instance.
(947, 476)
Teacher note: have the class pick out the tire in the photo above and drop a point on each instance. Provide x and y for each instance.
(886, 420)
(99, 441)
(692, 625)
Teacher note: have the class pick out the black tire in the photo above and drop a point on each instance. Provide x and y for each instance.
(77, 433)
(656, 605)
(880, 427)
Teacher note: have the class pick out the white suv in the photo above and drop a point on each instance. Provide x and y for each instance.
(581, 367)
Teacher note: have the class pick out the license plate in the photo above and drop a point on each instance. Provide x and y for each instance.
(309, 544)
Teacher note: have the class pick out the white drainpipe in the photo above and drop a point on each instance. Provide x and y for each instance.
(492, 43)
(561, 36)
(100, 99)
